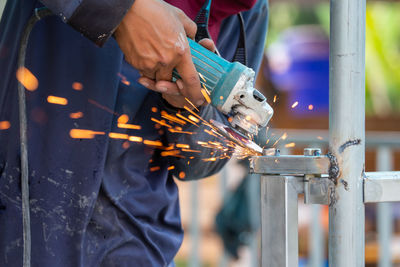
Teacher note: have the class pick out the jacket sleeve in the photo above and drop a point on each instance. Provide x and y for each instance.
(196, 165)
(95, 19)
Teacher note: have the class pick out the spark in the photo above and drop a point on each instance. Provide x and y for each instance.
(171, 168)
(205, 88)
(190, 150)
(172, 118)
(275, 98)
(97, 104)
(290, 144)
(210, 159)
(267, 141)
(182, 175)
(248, 118)
(295, 104)
(84, 134)
(123, 119)
(221, 97)
(135, 139)
(202, 77)
(155, 168)
(154, 109)
(77, 86)
(192, 118)
(57, 100)
(320, 138)
(182, 132)
(152, 143)
(118, 136)
(171, 153)
(186, 119)
(210, 133)
(162, 122)
(76, 115)
(283, 137)
(124, 80)
(187, 100)
(129, 126)
(206, 96)
(310, 107)
(125, 145)
(171, 147)
(27, 79)
(182, 146)
(4, 125)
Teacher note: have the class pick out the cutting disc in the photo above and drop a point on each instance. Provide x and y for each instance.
(236, 137)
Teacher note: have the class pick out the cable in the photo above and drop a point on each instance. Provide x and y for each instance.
(26, 222)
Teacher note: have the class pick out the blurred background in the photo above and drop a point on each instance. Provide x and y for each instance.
(221, 214)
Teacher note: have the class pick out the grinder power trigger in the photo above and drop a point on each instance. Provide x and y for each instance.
(230, 85)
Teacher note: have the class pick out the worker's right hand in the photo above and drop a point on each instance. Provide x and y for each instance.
(152, 37)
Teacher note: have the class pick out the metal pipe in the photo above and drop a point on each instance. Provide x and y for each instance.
(347, 132)
(316, 236)
(279, 220)
(384, 159)
(195, 226)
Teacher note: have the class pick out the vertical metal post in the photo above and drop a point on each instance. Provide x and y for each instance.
(279, 222)
(195, 226)
(347, 132)
(224, 262)
(384, 159)
(253, 192)
(316, 236)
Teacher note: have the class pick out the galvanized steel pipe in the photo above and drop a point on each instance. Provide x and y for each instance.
(347, 132)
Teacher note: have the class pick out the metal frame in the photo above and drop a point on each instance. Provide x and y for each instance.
(347, 187)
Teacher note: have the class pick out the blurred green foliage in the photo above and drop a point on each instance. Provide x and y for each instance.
(382, 47)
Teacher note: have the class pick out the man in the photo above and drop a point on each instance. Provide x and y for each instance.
(107, 200)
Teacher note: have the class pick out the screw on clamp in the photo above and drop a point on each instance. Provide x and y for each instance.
(308, 177)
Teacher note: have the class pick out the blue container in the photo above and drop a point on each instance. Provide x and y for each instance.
(299, 65)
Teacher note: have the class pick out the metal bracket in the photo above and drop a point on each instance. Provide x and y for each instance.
(381, 187)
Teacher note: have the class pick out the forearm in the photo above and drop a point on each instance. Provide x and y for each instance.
(95, 19)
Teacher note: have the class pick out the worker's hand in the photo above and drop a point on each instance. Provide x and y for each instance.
(152, 37)
(173, 92)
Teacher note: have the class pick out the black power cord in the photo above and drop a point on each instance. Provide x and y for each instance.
(26, 221)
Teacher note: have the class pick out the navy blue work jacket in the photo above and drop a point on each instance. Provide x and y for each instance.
(101, 201)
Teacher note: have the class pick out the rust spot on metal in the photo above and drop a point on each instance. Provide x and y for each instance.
(334, 173)
(333, 168)
(345, 184)
(349, 143)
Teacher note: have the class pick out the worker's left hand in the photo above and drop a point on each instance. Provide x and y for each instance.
(172, 92)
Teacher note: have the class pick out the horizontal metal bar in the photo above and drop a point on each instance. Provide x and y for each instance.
(289, 164)
(321, 137)
(381, 187)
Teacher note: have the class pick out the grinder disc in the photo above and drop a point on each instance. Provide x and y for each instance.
(236, 137)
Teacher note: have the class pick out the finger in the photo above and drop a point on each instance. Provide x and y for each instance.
(189, 26)
(164, 74)
(148, 83)
(148, 74)
(168, 88)
(208, 43)
(190, 84)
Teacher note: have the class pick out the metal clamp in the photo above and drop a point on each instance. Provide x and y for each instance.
(311, 171)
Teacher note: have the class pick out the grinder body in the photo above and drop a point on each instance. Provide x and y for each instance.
(230, 85)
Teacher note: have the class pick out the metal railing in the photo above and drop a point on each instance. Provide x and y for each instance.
(384, 143)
